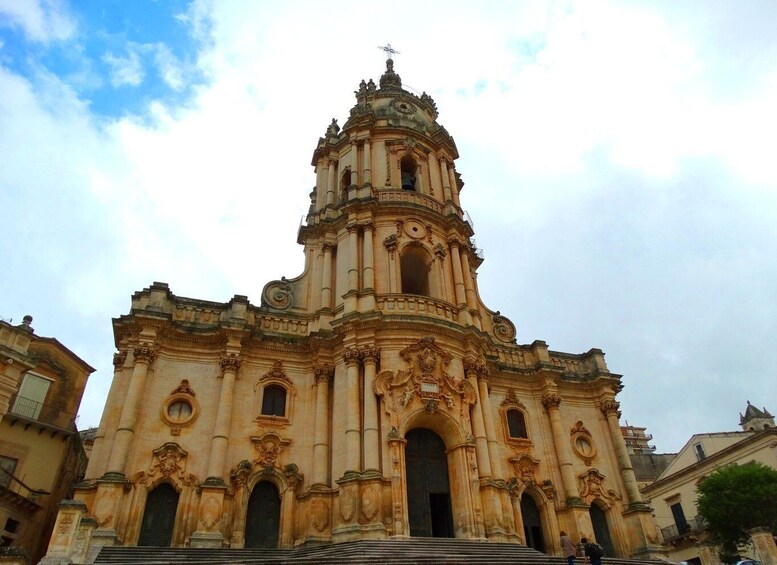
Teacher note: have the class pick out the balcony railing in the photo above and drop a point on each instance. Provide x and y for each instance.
(674, 532)
(41, 412)
(404, 304)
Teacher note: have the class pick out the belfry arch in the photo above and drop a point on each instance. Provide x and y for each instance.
(415, 268)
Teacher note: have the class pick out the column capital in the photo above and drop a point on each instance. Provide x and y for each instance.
(352, 228)
(454, 242)
(370, 354)
(118, 360)
(144, 354)
(351, 355)
(327, 247)
(322, 373)
(474, 367)
(551, 401)
(231, 363)
(610, 406)
(367, 227)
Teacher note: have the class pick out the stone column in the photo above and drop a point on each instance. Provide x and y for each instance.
(367, 162)
(352, 420)
(446, 181)
(326, 278)
(458, 278)
(217, 468)
(97, 461)
(765, 548)
(355, 167)
(469, 287)
(471, 367)
(610, 409)
(434, 173)
(440, 253)
(330, 182)
(143, 355)
(551, 401)
(368, 277)
(708, 554)
(454, 185)
(353, 249)
(391, 248)
(369, 357)
(321, 431)
(488, 420)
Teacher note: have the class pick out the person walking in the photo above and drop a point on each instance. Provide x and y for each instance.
(593, 552)
(569, 548)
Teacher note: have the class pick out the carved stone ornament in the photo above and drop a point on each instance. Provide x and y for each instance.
(591, 486)
(525, 468)
(276, 374)
(370, 354)
(118, 359)
(169, 462)
(322, 373)
(425, 379)
(184, 388)
(144, 354)
(239, 474)
(476, 367)
(269, 447)
(512, 400)
(610, 407)
(351, 355)
(230, 362)
(390, 244)
(319, 515)
(551, 401)
(583, 444)
(504, 330)
(278, 294)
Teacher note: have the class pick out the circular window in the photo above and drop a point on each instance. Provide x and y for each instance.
(179, 409)
(584, 447)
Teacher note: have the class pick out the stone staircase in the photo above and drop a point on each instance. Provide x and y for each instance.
(372, 552)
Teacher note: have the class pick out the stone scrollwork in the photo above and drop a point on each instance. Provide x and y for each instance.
(144, 354)
(591, 485)
(278, 294)
(504, 329)
(582, 443)
(424, 383)
(269, 448)
(610, 407)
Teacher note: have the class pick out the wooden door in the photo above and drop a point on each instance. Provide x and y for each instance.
(263, 517)
(428, 490)
(159, 517)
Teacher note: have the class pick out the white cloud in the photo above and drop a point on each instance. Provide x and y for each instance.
(125, 71)
(41, 21)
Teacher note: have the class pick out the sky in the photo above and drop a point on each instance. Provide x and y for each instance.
(618, 161)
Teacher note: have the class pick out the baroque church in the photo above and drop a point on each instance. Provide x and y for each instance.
(374, 396)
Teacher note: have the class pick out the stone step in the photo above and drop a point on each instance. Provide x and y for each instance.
(368, 552)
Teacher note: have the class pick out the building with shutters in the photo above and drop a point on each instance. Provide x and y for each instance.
(41, 456)
(373, 396)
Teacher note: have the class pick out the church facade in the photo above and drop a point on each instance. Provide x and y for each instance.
(373, 396)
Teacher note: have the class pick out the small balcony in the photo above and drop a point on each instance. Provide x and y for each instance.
(676, 532)
(48, 415)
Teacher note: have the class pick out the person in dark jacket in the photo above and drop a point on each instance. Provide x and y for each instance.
(592, 552)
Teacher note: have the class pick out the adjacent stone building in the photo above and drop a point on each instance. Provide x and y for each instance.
(673, 495)
(41, 456)
(373, 396)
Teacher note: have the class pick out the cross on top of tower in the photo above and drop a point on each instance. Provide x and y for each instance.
(388, 50)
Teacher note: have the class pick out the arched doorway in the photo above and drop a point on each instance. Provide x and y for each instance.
(601, 531)
(414, 265)
(263, 516)
(159, 517)
(532, 523)
(428, 490)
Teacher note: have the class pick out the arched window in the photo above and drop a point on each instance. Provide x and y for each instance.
(409, 169)
(274, 401)
(414, 265)
(516, 424)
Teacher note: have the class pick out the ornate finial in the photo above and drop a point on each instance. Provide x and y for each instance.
(388, 50)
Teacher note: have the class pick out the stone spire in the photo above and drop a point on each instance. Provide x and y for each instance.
(755, 419)
(390, 80)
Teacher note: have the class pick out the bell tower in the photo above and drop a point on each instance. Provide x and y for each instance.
(385, 222)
